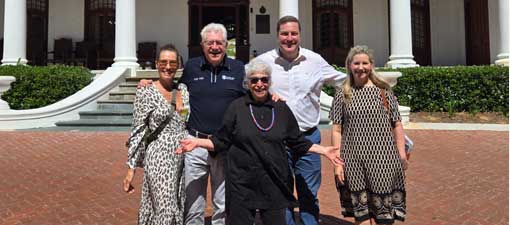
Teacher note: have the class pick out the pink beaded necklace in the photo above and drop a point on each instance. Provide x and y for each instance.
(258, 125)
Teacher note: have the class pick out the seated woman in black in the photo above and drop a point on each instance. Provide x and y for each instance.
(255, 133)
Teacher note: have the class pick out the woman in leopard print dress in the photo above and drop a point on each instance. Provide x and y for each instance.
(163, 183)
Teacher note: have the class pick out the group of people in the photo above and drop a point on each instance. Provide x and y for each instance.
(253, 131)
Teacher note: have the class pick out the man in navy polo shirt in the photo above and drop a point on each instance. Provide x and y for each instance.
(213, 81)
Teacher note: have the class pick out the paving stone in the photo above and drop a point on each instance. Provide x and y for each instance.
(455, 177)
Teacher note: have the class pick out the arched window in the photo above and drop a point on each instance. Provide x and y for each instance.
(332, 25)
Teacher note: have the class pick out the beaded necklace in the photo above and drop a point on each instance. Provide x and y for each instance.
(258, 125)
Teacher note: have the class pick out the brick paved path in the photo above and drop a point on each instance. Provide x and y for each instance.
(456, 177)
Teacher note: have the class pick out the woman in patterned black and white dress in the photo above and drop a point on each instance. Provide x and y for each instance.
(163, 183)
(372, 182)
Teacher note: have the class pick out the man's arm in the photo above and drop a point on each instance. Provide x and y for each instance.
(330, 75)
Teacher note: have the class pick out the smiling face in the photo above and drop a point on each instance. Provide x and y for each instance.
(288, 40)
(360, 68)
(214, 47)
(259, 86)
(167, 64)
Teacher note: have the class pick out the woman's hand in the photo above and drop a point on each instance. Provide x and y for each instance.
(144, 83)
(333, 154)
(404, 162)
(187, 145)
(339, 174)
(127, 181)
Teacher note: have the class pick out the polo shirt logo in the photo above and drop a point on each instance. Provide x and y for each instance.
(198, 78)
(225, 77)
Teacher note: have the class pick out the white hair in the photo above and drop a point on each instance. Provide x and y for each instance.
(214, 28)
(256, 66)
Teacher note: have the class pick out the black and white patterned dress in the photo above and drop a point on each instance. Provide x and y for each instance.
(163, 195)
(375, 180)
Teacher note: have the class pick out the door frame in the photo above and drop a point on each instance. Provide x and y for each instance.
(477, 23)
(94, 55)
(242, 49)
(44, 36)
(425, 58)
(316, 42)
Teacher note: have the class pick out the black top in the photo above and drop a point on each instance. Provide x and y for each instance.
(257, 169)
(211, 90)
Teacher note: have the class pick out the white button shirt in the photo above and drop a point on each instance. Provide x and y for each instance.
(300, 83)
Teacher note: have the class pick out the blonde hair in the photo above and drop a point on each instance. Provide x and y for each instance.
(349, 83)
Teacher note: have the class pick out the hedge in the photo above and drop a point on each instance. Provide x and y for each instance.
(36, 87)
(453, 89)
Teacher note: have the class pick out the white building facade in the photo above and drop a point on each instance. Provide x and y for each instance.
(402, 33)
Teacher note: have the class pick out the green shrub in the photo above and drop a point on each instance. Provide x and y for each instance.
(453, 89)
(36, 87)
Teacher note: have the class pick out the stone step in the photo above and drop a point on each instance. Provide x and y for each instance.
(95, 123)
(128, 86)
(147, 73)
(115, 113)
(154, 73)
(115, 105)
(107, 114)
(137, 79)
(122, 95)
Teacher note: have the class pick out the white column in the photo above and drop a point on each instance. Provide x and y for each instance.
(503, 33)
(401, 54)
(15, 32)
(289, 8)
(125, 34)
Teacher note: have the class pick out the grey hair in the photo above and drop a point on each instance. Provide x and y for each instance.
(214, 28)
(256, 66)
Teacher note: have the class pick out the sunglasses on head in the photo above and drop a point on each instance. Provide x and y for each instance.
(254, 80)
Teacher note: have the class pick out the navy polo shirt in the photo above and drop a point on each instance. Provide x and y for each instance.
(211, 90)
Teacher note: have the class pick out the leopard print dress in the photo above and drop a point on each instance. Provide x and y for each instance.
(163, 196)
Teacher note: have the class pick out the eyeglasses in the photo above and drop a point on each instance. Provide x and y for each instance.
(163, 63)
(254, 80)
(212, 42)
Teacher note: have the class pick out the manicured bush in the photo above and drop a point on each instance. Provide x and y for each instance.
(453, 89)
(36, 86)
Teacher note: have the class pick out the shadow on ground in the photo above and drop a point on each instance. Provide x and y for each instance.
(324, 220)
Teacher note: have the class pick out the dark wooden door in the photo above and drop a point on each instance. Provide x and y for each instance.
(477, 32)
(232, 14)
(100, 32)
(420, 20)
(332, 36)
(37, 32)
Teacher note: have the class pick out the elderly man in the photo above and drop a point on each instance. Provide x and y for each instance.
(298, 77)
(213, 81)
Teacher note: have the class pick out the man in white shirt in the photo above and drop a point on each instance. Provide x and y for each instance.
(298, 77)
